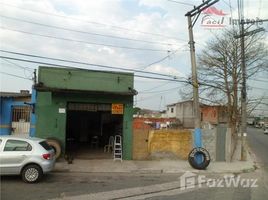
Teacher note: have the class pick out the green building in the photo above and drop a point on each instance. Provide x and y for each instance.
(83, 108)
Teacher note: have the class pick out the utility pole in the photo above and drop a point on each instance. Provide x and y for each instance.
(34, 78)
(243, 95)
(191, 22)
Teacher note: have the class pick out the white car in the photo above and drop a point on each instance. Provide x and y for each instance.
(28, 157)
(266, 131)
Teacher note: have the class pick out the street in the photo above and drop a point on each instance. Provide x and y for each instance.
(141, 186)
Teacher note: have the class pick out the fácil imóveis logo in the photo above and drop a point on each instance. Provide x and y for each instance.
(213, 18)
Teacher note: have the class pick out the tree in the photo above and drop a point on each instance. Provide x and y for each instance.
(219, 69)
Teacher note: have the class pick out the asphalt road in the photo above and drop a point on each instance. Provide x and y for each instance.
(143, 186)
(258, 143)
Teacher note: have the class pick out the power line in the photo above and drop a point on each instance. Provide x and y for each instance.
(158, 86)
(19, 66)
(71, 67)
(156, 62)
(85, 32)
(84, 42)
(89, 22)
(158, 91)
(182, 3)
(84, 63)
(15, 75)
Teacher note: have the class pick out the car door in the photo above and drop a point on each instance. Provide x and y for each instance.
(13, 156)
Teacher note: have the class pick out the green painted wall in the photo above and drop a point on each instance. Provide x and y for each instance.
(76, 79)
(51, 123)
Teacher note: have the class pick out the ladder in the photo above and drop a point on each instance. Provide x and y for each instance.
(118, 148)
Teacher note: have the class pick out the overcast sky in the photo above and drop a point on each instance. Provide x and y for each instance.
(122, 33)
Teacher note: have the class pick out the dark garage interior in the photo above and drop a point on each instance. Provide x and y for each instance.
(88, 130)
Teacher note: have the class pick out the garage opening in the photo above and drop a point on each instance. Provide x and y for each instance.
(90, 128)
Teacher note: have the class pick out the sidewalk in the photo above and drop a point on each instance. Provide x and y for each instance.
(162, 166)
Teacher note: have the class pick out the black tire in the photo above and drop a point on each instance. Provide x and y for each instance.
(31, 173)
(205, 161)
(56, 146)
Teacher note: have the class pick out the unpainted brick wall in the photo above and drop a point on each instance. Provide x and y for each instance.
(177, 142)
(140, 144)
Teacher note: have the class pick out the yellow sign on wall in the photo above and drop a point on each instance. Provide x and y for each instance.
(117, 109)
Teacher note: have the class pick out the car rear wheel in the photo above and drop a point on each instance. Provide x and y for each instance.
(31, 173)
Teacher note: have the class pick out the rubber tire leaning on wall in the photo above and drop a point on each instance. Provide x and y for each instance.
(206, 158)
(55, 145)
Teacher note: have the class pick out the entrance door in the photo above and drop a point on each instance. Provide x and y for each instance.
(89, 128)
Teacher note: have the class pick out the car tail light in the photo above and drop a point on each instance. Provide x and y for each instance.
(47, 156)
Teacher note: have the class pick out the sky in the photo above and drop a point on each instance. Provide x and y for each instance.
(148, 35)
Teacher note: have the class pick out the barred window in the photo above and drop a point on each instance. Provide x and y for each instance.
(21, 114)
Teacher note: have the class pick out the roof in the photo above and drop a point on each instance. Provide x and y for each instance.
(14, 94)
(131, 92)
(173, 104)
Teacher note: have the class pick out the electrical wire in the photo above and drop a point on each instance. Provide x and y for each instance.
(15, 75)
(84, 32)
(71, 67)
(84, 63)
(84, 42)
(158, 61)
(19, 66)
(182, 3)
(90, 22)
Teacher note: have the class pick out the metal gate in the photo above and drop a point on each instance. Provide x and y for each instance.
(20, 120)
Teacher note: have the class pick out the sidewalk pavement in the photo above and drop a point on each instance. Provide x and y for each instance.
(154, 166)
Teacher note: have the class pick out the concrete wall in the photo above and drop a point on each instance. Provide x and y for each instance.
(52, 123)
(209, 137)
(77, 79)
(169, 144)
(185, 113)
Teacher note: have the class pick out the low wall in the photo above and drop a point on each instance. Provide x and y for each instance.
(169, 144)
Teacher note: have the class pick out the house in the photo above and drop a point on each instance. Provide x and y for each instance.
(184, 112)
(15, 112)
(82, 109)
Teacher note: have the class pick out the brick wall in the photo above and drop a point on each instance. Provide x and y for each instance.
(174, 143)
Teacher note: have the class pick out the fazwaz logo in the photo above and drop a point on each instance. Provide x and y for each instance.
(213, 18)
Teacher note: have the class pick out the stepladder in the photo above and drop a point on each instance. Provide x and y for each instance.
(118, 148)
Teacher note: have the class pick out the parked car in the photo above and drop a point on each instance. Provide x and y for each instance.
(266, 131)
(28, 157)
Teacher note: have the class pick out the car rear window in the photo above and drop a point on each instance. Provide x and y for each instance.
(45, 145)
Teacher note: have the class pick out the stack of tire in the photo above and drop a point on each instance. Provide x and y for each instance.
(199, 158)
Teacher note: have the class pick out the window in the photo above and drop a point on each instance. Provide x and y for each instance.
(21, 114)
(45, 145)
(17, 145)
(172, 110)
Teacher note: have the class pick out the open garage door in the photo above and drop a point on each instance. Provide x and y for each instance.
(89, 128)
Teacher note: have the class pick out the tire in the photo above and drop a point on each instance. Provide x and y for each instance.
(31, 173)
(192, 158)
(56, 146)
